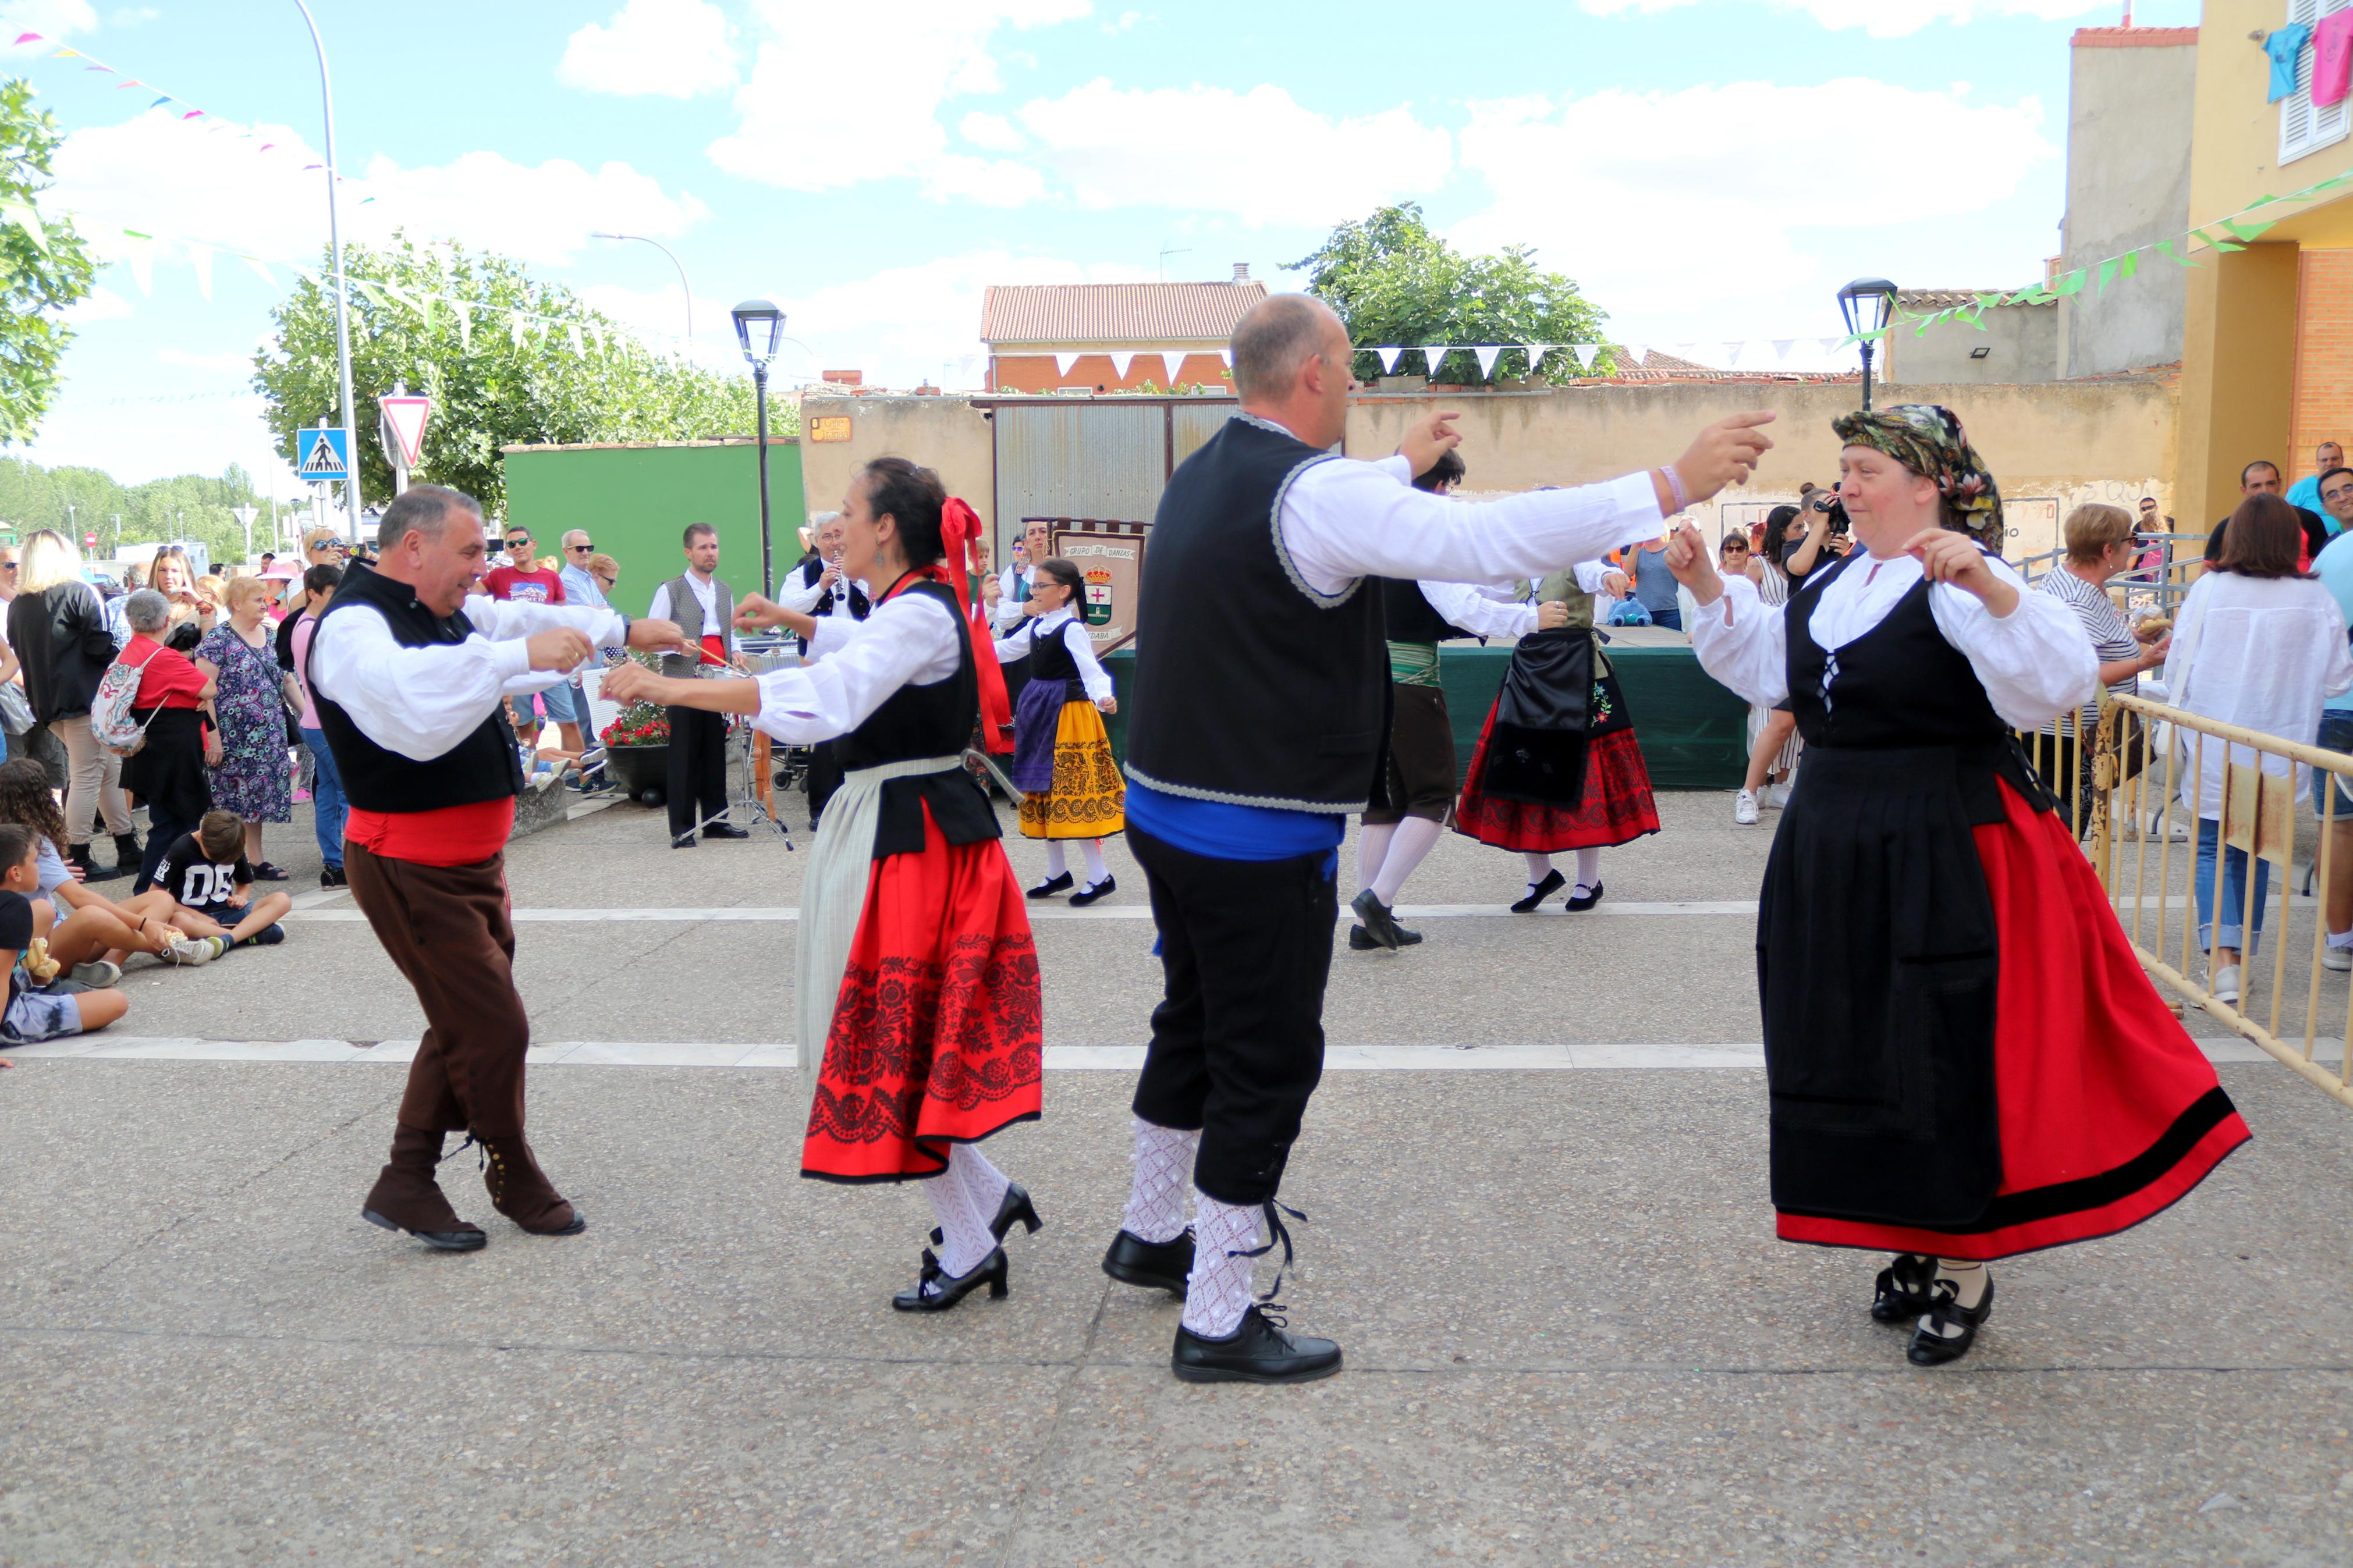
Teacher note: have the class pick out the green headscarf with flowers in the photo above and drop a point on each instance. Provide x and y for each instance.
(1928, 438)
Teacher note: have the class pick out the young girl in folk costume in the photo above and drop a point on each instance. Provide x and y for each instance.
(1983, 1070)
(1613, 805)
(917, 984)
(1063, 764)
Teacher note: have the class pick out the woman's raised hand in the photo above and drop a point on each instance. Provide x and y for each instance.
(1949, 557)
(1693, 566)
(757, 610)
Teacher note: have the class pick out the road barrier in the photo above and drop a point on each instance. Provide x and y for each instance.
(2143, 755)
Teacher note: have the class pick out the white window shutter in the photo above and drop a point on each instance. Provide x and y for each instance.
(2303, 128)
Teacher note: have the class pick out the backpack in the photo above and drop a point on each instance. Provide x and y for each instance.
(110, 711)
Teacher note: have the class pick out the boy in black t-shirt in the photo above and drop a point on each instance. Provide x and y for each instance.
(34, 1012)
(204, 886)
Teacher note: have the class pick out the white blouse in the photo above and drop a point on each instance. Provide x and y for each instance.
(910, 640)
(2261, 653)
(2035, 662)
(1063, 624)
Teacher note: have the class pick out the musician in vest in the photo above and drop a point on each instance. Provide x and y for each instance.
(1964, 1059)
(1397, 834)
(407, 671)
(705, 608)
(1610, 803)
(1262, 696)
(919, 1019)
(821, 590)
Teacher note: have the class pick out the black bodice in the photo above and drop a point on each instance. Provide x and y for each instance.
(1049, 659)
(919, 721)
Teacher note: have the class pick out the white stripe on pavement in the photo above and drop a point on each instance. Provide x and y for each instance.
(1059, 1059)
(754, 914)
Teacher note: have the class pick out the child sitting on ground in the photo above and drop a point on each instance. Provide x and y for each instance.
(204, 886)
(95, 935)
(34, 1011)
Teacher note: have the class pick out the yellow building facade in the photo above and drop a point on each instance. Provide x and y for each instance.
(2267, 343)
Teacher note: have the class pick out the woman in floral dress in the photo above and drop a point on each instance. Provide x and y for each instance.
(251, 776)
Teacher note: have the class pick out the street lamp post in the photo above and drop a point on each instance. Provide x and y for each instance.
(343, 308)
(1868, 304)
(685, 286)
(763, 315)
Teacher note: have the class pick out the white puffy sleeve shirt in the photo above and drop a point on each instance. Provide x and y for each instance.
(1062, 623)
(2035, 662)
(421, 701)
(910, 640)
(2261, 653)
(1480, 614)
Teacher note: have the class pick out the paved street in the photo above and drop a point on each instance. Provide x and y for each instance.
(1535, 1188)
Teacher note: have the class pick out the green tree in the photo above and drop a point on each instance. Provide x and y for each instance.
(44, 266)
(1394, 282)
(186, 506)
(494, 381)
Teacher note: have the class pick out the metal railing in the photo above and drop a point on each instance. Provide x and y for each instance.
(2161, 587)
(2143, 755)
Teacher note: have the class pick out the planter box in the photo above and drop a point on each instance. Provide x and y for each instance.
(639, 769)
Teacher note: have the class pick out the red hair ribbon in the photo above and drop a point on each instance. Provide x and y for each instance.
(960, 532)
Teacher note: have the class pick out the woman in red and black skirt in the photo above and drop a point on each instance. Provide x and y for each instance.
(1612, 807)
(1985, 1070)
(917, 981)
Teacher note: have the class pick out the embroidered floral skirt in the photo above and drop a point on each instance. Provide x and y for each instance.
(1087, 798)
(1616, 808)
(937, 1031)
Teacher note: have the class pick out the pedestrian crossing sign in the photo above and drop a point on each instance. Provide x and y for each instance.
(321, 455)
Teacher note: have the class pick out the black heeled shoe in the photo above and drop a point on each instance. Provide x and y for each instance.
(1094, 891)
(949, 1289)
(1583, 901)
(1931, 1345)
(1553, 883)
(1902, 1291)
(1015, 1206)
(1051, 886)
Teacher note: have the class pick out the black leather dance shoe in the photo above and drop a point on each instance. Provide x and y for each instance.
(1361, 941)
(1576, 903)
(1013, 1207)
(1051, 886)
(1258, 1351)
(683, 841)
(721, 831)
(1931, 1346)
(947, 1290)
(1900, 1293)
(467, 1238)
(1094, 891)
(1553, 883)
(1153, 1265)
(1380, 921)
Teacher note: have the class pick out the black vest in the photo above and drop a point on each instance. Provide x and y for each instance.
(814, 568)
(916, 722)
(1410, 615)
(1049, 659)
(1249, 686)
(485, 765)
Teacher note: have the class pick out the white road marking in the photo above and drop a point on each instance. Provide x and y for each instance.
(347, 914)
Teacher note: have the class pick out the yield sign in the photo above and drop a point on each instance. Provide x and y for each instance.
(403, 425)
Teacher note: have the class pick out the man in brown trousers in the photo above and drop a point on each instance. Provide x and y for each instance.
(408, 671)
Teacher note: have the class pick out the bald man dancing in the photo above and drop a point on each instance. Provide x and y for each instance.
(408, 672)
(1268, 635)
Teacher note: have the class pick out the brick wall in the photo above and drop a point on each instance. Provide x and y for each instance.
(2324, 358)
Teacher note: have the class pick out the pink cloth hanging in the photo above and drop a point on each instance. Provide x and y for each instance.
(2332, 54)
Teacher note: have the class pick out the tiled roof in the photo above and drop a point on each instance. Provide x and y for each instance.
(1114, 312)
(1931, 300)
(2134, 37)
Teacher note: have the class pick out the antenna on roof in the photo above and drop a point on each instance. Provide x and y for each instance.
(1181, 250)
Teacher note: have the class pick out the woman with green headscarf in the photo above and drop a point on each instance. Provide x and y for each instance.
(1984, 1070)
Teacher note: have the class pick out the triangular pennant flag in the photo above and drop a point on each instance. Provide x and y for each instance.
(1640, 353)
(375, 294)
(260, 269)
(1062, 363)
(1781, 347)
(518, 327)
(1431, 358)
(2107, 271)
(142, 264)
(464, 314)
(29, 38)
(1537, 352)
(1120, 362)
(1830, 345)
(1226, 358)
(572, 334)
(1487, 356)
(1388, 358)
(22, 215)
(200, 261)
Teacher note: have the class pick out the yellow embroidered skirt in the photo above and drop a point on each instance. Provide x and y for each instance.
(1088, 798)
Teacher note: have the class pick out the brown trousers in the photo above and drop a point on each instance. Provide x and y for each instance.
(447, 930)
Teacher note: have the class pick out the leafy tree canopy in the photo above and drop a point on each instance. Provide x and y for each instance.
(187, 507)
(530, 364)
(44, 266)
(1392, 281)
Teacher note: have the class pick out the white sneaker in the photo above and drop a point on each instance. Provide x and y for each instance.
(1744, 808)
(2340, 958)
(2224, 986)
(1777, 795)
(196, 950)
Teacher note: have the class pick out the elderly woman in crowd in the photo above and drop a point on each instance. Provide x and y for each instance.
(57, 628)
(249, 775)
(2259, 644)
(174, 701)
(2099, 545)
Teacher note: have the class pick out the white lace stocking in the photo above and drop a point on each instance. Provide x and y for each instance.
(1164, 1173)
(964, 1240)
(983, 1184)
(1218, 1291)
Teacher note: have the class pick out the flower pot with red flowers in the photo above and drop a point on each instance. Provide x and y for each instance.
(637, 747)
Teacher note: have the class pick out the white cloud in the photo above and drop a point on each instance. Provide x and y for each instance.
(1881, 18)
(234, 364)
(55, 20)
(101, 304)
(992, 131)
(165, 177)
(990, 182)
(1635, 196)
(898, 64)
(1239, 153)
(663, 48)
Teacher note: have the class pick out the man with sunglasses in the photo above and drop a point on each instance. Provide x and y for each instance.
(581, 587)
(523, 581)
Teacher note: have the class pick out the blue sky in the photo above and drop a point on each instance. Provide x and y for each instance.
(1709, 170)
